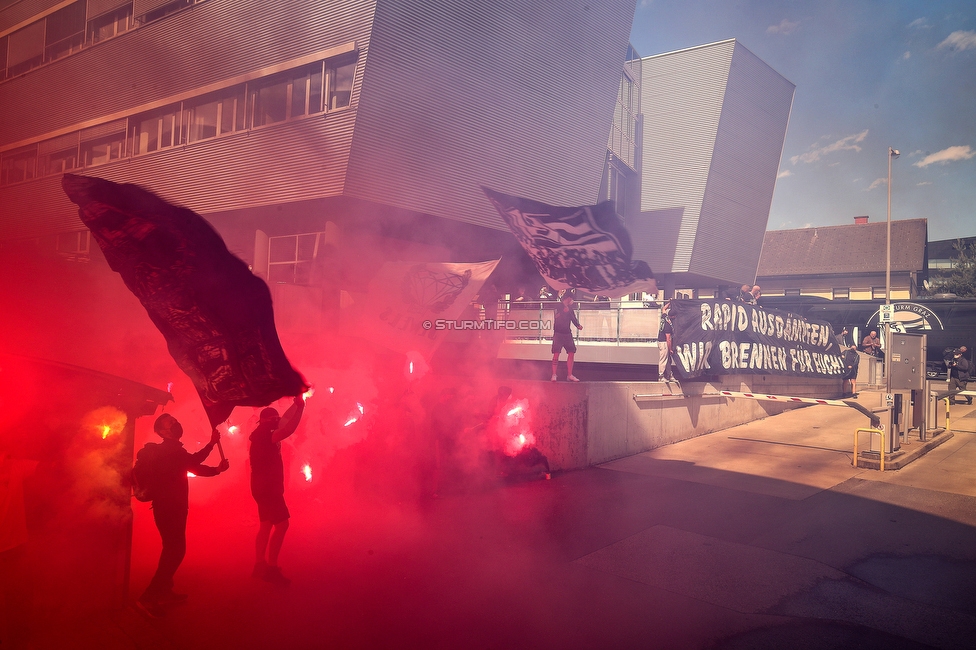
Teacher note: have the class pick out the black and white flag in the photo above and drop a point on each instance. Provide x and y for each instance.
(586, 247)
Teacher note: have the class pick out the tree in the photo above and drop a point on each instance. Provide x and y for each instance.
(961, 280)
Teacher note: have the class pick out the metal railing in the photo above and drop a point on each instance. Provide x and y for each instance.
(881, 443)
(610, 322)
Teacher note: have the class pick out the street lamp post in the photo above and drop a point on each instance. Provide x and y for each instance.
(892, 154)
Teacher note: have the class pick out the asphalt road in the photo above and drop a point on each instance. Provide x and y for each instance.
(761, 536)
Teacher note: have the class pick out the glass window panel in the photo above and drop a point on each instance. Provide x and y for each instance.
(278, 273)
(306, 247)
(19, 165)
(303, 272)
(103, 150)
(270, 103)
(282, 249)
(228, 110)
(340, 84)
(65, 31)
(146, 136)
(110, 24)
(202, 121)
(58, 162)
(315, 91)
(166, 133)
(299, 95)
(25, 49)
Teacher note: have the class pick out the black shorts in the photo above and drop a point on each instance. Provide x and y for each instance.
(272, 508)
(562, 340)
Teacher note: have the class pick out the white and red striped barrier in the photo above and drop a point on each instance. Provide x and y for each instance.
(781, 398)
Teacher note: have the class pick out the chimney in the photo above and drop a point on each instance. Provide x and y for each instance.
(861, 220)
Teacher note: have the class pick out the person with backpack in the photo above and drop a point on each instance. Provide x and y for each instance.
(160, 476)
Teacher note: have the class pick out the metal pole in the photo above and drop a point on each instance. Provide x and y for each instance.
(892, 443)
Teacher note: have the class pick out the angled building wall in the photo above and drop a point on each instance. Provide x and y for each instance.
(715, 120)
(445, 96)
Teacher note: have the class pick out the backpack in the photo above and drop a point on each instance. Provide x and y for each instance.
(143, 475)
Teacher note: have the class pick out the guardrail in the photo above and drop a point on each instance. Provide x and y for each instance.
(881, 452)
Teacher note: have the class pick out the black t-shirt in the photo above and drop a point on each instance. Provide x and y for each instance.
(563, 317)
(267, 470)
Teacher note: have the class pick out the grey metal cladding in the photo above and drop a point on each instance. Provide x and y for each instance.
(715, 119)
(681, 99)
(516, 95)
(20, 12)
(224, 173)
(205, 43)
(748, 148)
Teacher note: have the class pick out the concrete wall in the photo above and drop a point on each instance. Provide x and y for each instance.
(578, 425)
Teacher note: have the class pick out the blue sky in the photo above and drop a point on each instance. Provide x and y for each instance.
(869, 75)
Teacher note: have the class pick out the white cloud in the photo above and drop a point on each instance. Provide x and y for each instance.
(784, 27)
(920, 23)
(784, 174)
(844, 144)
(807, 225)
(923, 183)
(906, 56)
(947, 155)
(878, 182)
(959, 41)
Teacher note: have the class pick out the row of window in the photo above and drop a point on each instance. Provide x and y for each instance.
(289, 95)
(76, 26)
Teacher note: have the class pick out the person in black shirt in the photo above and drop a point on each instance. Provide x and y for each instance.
(958, 367)
(268, 488)
(851, 363)
(169, 462)
(562, 336)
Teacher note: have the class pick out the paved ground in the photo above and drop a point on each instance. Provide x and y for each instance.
(761, 536)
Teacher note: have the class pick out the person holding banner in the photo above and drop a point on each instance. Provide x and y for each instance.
(562, 335)
(161, 469)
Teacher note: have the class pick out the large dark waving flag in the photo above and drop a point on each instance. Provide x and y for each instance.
(586, 247)
(215, 314)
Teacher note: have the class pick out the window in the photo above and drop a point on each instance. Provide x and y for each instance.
(74, 245)
(842, 294)
(150, 10)
(286, 96)
(879, 293)
(25, 49)
(215, 114)
(65, 31)
(156, 130)
(3, 58)
(791, 292)
(290, 258)
(102, 144)
(341, 73)
(18, 165)
(58, 155)
(110, 24)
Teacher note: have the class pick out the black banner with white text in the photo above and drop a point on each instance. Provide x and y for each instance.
(722, 337)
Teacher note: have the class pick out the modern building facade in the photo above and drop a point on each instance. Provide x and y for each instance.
(299, 127)
(714, 125)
